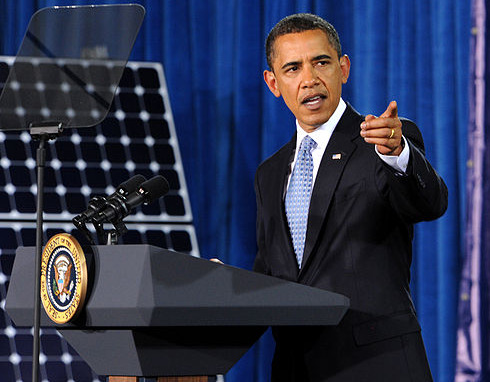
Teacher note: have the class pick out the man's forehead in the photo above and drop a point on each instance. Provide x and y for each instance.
(314, 43)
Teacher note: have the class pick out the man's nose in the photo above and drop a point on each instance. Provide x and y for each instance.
(310, 77)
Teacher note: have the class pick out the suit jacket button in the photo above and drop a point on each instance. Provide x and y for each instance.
(421, 182)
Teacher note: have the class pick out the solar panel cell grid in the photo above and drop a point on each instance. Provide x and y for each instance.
(137, 137)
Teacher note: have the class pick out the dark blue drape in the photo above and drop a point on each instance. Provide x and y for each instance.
(415, 52)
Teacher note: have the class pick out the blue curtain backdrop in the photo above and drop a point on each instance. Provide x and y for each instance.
(415, 52)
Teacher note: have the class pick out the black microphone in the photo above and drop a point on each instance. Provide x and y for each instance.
(98, 203)
(121, 206)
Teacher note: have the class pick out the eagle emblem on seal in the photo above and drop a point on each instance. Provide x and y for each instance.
(61, 284)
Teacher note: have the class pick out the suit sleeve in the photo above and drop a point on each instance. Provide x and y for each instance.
(419, 194)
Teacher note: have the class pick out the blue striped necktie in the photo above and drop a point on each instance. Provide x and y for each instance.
(298, 196)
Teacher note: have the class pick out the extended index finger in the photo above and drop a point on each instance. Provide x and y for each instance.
(391, 111)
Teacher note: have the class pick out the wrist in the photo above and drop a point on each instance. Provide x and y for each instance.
(397, 150)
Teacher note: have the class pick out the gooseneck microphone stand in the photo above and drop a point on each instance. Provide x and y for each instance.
(42, 132)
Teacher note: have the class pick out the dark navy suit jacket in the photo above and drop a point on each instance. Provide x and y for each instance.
(359, 244)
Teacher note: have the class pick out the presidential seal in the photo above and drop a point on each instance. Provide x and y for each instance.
(63, 278)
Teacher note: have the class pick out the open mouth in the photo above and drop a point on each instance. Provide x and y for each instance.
(313, 100)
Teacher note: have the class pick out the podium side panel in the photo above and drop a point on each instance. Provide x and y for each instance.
(177, 351)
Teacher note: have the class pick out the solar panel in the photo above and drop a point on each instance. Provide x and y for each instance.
(137, 137)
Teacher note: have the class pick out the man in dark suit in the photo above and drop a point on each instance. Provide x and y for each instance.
(366, 181)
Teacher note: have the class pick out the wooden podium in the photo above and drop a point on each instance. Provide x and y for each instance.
(152, 312)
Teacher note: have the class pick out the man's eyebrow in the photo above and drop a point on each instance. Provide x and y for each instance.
(292, 63)
(316, 58)
(322, 57)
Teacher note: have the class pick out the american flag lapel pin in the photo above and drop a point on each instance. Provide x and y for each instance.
(337, 156)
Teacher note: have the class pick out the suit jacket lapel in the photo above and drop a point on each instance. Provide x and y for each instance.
(337, 153)
(279, 181)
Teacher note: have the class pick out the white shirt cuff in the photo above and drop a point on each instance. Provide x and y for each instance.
(400, 162)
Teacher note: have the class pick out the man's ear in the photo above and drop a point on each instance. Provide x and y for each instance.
(270, 80)
(345, 68)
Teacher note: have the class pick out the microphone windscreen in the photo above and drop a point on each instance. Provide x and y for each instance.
(154, 188)
(131, 184)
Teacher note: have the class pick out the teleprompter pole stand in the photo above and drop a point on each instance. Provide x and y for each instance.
(43, 132)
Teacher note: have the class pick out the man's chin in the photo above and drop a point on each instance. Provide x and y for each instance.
(312, 124)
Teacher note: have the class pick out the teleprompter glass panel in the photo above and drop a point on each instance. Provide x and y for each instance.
(58, 48)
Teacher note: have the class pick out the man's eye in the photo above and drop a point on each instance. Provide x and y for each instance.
(323, 63)
(292, 69)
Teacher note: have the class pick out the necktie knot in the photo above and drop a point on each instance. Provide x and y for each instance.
(307, 144)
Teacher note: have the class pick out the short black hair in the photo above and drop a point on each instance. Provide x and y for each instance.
(297, 23)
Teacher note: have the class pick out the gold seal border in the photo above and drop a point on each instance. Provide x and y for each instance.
(71, 244)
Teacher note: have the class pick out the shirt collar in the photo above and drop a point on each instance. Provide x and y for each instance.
(322, 134)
